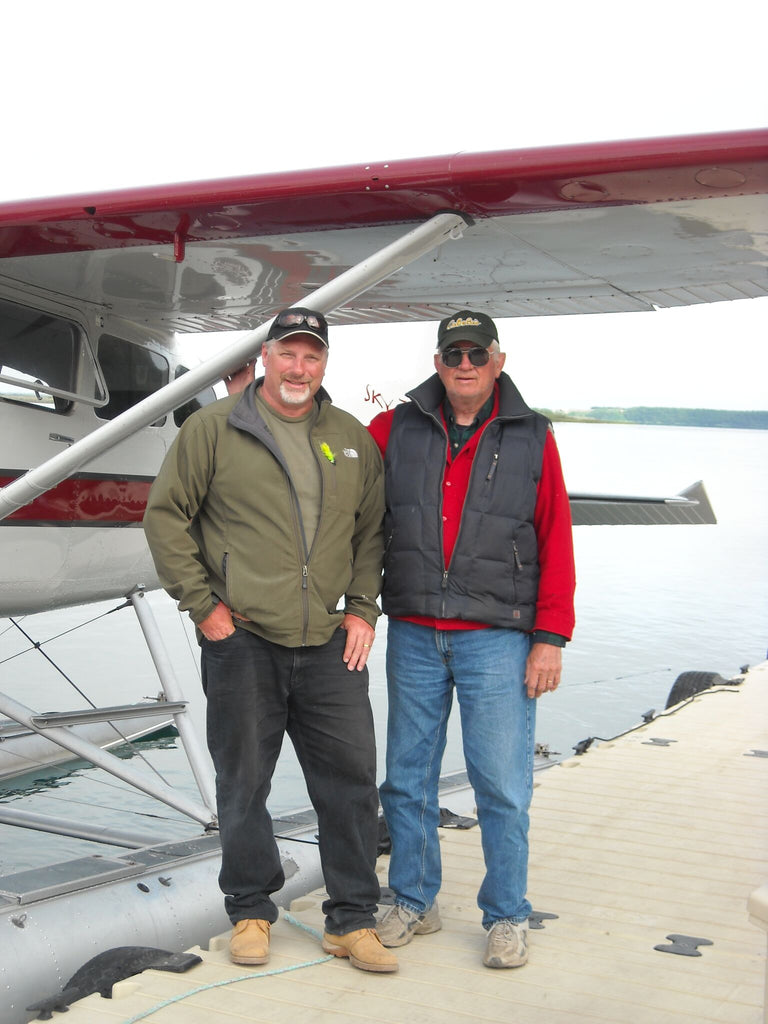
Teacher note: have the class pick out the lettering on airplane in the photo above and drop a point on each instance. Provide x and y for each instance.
(376, 398)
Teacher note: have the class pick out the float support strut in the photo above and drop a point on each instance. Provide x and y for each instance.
(172, 690)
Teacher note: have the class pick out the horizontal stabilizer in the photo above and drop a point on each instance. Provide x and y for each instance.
(690, 507)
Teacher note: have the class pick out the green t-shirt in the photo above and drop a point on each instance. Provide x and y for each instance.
(292, 437)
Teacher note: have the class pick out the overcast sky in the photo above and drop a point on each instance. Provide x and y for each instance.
(102, 95)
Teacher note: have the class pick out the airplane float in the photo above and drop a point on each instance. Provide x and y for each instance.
(98, 290)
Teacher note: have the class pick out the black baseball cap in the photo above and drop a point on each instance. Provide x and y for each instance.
(466, 325)
(297, 320)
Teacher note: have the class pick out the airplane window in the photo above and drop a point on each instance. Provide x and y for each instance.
(39, 356)
(132, 373)
(202, 398)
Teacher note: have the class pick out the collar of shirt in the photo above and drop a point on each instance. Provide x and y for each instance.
(458, 434)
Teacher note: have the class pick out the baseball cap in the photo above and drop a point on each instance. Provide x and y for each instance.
(297, 320)
(466, 326)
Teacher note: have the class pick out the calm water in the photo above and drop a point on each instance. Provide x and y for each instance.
(651, 602)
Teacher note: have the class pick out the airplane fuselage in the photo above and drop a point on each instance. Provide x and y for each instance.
(82, 540)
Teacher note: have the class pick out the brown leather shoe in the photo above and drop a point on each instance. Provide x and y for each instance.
(364, 949)
(250, 942)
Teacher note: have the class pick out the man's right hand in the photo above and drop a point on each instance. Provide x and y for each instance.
(218, 625)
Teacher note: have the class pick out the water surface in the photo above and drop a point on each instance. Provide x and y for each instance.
(651, 602)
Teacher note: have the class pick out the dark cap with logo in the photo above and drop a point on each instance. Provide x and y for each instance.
(466, 326)
(297, 320)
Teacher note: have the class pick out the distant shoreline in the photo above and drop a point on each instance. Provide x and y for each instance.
(663, 417)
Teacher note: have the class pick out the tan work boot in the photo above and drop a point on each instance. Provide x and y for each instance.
(364, 949)
(250, 942)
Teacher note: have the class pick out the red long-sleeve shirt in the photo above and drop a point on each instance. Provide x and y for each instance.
(551, 521)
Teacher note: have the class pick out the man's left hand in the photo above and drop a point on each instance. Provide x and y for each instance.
(542, 670)
(359, 639)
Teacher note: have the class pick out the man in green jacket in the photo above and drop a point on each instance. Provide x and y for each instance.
(265, 524)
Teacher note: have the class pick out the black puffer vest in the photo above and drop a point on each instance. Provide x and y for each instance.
(493, 575)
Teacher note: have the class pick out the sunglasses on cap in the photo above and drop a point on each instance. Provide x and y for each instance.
(452, 357)
(290, 319)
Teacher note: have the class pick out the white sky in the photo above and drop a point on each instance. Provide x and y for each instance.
(100, 95)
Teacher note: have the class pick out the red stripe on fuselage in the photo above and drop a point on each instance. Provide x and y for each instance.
(85, 500)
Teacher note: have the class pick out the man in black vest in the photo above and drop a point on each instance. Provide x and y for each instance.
(478, 586)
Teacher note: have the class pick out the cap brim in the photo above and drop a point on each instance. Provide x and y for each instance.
(293, 332)
(473, 334)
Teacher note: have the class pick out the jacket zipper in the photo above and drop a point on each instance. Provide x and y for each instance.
(444, 581)
(301, 540)
(301, 546)
(225, 574)
(438, 421)
(516, 553)
(305, 567)
(491, 471)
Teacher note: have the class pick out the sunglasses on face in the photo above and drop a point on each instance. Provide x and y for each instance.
(452, 357)
(288, 319)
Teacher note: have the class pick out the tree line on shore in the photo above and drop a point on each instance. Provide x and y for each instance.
(661, 416)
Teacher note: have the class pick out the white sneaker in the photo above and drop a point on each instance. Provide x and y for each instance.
(507, 944)
(397, 925)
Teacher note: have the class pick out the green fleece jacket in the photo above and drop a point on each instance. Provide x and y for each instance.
(223, 523)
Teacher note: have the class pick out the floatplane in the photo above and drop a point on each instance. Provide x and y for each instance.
(97, 293)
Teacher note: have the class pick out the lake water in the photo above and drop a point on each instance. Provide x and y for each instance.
(651, 603)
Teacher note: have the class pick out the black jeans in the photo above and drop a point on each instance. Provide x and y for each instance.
(257, 691)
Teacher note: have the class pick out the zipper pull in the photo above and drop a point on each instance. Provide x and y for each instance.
(516, 553)
(494, 464)
(304, 575)
(444, 584)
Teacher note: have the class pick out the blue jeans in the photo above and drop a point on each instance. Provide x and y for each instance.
(256, 692)
(487, 669)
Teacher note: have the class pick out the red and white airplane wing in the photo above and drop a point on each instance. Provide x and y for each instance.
(93, 289)
(602, 227)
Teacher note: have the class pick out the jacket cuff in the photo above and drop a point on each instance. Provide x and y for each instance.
(197, 619)
(363, 610)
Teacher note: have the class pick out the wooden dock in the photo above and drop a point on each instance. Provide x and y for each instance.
(661, 832)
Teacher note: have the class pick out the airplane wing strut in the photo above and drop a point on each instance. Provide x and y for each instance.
(417, 242)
